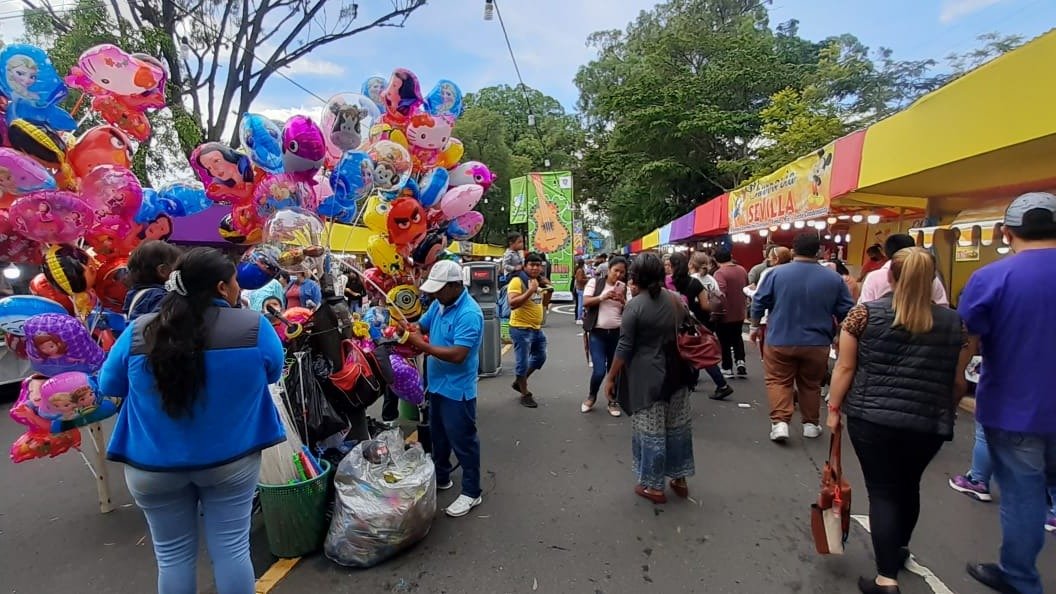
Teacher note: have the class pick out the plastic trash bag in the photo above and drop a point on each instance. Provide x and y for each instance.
(382, 508)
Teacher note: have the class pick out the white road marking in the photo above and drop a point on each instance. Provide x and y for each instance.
(567, 310)
(932, 580)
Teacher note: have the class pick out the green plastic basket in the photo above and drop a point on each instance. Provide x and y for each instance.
(295, 514)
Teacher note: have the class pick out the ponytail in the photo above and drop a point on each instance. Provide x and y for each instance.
(913, 272)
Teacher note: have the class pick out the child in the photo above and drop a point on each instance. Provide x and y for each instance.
(148, 269)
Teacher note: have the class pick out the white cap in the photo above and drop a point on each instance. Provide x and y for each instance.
(443, 272)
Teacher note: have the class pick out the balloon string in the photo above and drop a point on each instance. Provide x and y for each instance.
(89, 464)
(77, 106)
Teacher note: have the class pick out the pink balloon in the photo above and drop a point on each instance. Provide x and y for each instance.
(66, 397)
(465, 226)
(112, 191)
(51, 216)
(460, 200)
(58, 343)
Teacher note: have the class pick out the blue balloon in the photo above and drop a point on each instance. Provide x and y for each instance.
(432, 187)
(377, 318)
(262, 138)
(104, 319)
(445, 100)
(338, 210)
(16, 309)
(179, 199)
(33, 87)
(410, 187)
(353, 177)
(252, 277)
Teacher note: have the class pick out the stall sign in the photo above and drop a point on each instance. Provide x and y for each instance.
(967, 253)
(798, 191)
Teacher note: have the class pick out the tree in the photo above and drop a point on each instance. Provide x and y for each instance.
(993, 45)
(219, 54)
(555, 135)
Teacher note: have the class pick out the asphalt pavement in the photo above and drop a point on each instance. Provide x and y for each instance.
(559, 513)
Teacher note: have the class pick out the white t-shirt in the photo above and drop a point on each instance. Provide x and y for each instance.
(878, 283)
(610, 312)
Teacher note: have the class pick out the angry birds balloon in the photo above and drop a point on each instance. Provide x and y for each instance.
(406, 222)
(102, 145)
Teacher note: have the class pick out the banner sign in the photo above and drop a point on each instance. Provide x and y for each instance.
(549, 204)
(577, 237)
(518, 201)
(798, 191)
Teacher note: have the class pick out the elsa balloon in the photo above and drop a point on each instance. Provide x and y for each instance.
(353, 177)
(372, 88)
(33, 87)
(445, 100)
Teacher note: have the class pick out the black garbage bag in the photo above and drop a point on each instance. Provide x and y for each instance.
(315, 416)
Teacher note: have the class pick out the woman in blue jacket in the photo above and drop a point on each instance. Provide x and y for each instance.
(196, 415)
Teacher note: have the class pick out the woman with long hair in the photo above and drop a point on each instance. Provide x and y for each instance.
(187, 435)
(653, 384)
(603, 301)
(702, 303)
(899, 376)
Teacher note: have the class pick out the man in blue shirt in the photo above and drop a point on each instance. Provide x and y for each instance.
(455, 325)
(806, 302)
(1007, 309)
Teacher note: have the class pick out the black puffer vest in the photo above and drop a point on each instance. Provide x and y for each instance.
(905, 380)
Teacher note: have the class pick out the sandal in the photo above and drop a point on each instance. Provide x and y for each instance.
(680, 487)
(641, 491)
(588, 405)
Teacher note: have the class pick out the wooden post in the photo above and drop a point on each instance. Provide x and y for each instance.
(102, 479)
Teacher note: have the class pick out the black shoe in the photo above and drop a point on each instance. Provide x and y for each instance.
(991, 575)
(869, 586)
(722, 393)
(742, 370)
(528, 401)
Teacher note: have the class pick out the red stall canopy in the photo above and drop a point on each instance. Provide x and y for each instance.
(712, 217)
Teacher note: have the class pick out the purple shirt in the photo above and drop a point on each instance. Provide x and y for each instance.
(1008, 305)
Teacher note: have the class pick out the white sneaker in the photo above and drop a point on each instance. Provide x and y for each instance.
(579, 322)
(445, 486)
(810, 430)
(779, 432)
(462, 505)
(727, 373)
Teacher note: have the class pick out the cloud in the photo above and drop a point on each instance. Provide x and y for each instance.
(954, 9)
(307, 66)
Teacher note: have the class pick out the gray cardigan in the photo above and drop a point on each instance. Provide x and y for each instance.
(647, 345)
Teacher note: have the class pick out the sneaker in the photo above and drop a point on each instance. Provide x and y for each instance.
(462, 505)
(579, 322)
(587, 406)
(811, 430)
(722, 392)
(528, 401)
(614, 409)
(779, 432)
(742, 371)
(1050, 523)
(444, 486)
(727, 373)
(963, 483)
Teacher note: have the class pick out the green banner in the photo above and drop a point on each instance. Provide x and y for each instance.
(518, 201)
(549, 207)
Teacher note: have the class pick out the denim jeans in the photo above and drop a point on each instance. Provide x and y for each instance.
(170, 501)
(982, 468)
(602, 352)
(1024, 464)
(579, 304)
(453, 426)
(529, 347)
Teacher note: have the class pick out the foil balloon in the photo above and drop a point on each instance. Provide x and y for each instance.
(460, 199)
(392, 165)
(346, 121)
(262, 138)
(300, 237)
(112, 191)
(378, 281)
(445, 100)
(226, 173)
(376, 214)
(430, 248)
(112, 235)
(429, 133)
(353, 177)
(20, 174)
(66, 397)
(283, 190)
(342, 212)
(465, 226)
(406, 223)
(14, 247)
(39, 444)
(303, 148)
(473, 172)
(112, 282)
(59, 343)
(406, 380)
(228, 230)
(16, 309)
(72, 271)
(25, 410)
(401, 97)
(114, 112)
(40, 287)
(108, 70)
(404, 303)
(175, 199)
(432, 187)
(372, 88)
(101, 145)
(451, 154)
(33, 87)
(43, 144)
(259, 265)
(384, 256)
(51, 216)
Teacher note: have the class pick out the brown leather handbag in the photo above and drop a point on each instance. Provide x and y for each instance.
(698, 346)
(830, 515)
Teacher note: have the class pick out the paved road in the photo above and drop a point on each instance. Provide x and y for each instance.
(558, 514)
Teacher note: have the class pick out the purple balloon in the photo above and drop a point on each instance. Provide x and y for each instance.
(406, 381)
(57, 343)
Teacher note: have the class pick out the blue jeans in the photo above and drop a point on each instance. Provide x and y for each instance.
(1024, 464)
(579, 305)
(602, 352)
(529, 347)
(170, 502)
(982, 467)
(453, 426)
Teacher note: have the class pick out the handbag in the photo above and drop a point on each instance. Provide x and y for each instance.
(697, 345)
(830, 515)
(357, 377)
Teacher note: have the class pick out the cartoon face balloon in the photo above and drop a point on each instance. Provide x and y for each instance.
(66, 397)
(20, 174)
(376, 214)
(346, 121)
(372, 88)
(58, 343)
(280, 191)
(445, 100)
(102, 145)
(405, 302)
(32, 86)
(51, 216)
(384, 255)
(402, 96)
(130, 83)
(392, 165)
(473, 172)
(460, 200)
(226, 173)
(464, 227)
(430, 248)
(112, 282)
(427, 132)
(406, 381)
(406, 223)
(112, 191)
(262, 138)
(303, 148)
(353, 177)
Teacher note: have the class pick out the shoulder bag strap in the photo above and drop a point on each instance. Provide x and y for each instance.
(136, 300)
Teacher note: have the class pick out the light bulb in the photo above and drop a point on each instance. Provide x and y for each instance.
(531, 119)
(764, 232)
(785, 226)
(799, 224)
(873, 219)
(857, 219)
(831, 220)
(847, 238)
(12, 272)
(843, 217)
(773, 228)
(1003, 250)
(838, 239)
(489, 10)
(828, 237)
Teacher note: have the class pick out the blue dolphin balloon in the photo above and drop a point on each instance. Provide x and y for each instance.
(353, 177)
(262, 138)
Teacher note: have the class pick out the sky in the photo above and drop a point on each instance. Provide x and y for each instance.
(450, 39)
